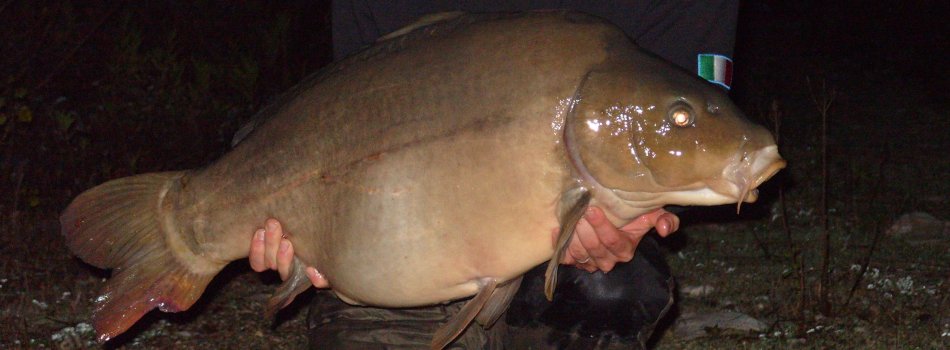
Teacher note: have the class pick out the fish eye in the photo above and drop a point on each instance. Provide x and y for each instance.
(681, 115)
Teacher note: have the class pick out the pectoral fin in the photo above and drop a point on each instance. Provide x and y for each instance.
(461, 320)
(571, 209)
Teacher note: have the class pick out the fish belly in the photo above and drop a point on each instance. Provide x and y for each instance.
(419, 225)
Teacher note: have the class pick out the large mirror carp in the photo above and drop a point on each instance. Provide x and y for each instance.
(430, 167)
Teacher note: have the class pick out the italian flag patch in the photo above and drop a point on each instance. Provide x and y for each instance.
(715, 68)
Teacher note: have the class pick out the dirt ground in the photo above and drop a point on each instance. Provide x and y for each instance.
(76, 77)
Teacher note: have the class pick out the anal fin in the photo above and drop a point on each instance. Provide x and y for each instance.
(464, 317)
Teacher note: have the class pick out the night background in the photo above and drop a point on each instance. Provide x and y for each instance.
(92, 91)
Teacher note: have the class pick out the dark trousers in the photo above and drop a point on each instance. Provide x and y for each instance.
(624, 304)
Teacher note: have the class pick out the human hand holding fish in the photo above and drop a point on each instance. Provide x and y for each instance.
(271, 250)
(601, 244)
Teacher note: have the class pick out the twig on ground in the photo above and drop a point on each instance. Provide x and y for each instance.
(864, 265)
(877, 230)
(794, 251)
(776, 115)
(824, 98)
(766, 254)
(797, 260)
(14, 212)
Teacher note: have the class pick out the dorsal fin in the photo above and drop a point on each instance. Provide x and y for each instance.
(423, 21)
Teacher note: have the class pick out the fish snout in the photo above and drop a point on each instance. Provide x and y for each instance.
(757, 167)
(748, 169)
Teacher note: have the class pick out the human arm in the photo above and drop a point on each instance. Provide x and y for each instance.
(597, 244)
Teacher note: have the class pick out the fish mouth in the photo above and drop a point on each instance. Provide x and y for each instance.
(741, 179)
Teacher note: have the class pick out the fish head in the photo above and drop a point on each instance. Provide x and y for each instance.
(653, 134)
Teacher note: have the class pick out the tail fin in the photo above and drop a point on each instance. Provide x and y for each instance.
(119, 225)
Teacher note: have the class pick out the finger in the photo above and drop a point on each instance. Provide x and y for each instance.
(316, 278)
(650, 219)
(600, 256)
(615, 241)
(575, 251)
(667, 224)
(285, 258)
(577, 255)
(272, 237)
(582, 258)
(256, 255)
(643, 224)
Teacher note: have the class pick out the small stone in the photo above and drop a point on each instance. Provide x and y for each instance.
(691, 325)
(727, 303)
(696, 291)
(40, 304)
(919, 228)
